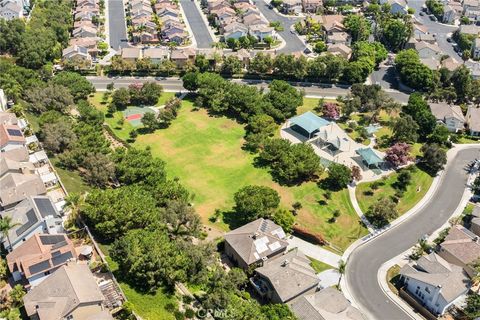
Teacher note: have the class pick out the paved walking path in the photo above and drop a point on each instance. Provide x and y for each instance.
(315, 251)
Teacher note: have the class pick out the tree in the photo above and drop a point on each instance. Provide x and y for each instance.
(342, 265)
(435, 7)
(434, 158)
(181, 219)
(395, 32)
(268, 40)
(405, 129)
(149, 121)
(57, 136)
(398, 154)
(357, 71)
(440, 135)
(319, 47)
(98, 169)
(113, 212)
(472, 308)
(462, 81)
(403, 180)
(149, 259)
(147, 93)
(331, 110)
(284, 218)
(419, 110)
(356, 173)
(339, 176)
(121, 98)
(381, 212)
(476, 186)
(231, 65)
(16, 294)
(284, 98)
(78, 85)
(190, 81)
(6, 224)
(202, 63)
(374, 51)
(253, 202)
(261, 64)
(51, 97)
(358, 27)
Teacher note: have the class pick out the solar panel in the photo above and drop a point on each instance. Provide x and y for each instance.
(263, 226)
(31, 220)
(14, 132)
(45, 207)
(51, 239)
(39, 267)
(62, 258)
(55, 253)
(59, 245)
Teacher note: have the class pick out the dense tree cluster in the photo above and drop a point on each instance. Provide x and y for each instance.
(381, 212)
(339, 176)
(136, 94)
(434, 158)
(79, 87)
(398, 154)
(290, 163)
(16, 80)
(42, 40)
(413, 72)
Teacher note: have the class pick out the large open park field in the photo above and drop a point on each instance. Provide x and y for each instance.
(206, 154)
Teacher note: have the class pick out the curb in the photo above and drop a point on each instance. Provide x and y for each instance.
(346, 255)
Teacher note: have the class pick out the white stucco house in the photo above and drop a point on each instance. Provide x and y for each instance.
(450, 116)
(435, 283)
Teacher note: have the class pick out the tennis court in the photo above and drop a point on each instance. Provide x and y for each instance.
(134, 115)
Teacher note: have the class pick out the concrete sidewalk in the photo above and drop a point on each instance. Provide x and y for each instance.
(314, 251)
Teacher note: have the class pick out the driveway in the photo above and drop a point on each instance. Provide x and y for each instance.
(117, 27)
(364, 262)
(292, 42)
(314, 251)
(197, 24)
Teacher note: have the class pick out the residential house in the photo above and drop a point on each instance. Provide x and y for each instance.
(253, 18)
(38, 257)
(38, 158)
(262, 31)
(171, 12)
(398, 6)
(451, 12)
(243, 6)
(461, 247)
(419, 29)
(291, 6)
(473, 120)
(131, 54)
(145, 37)
(326, 304)
(340, 49)
(471, 4)
(11, 9)
(3, 101)
(34, 215)
(434, 282)
(84, 32)
(71, 292)
(255, 242)
(431, 62)
(469, 29)
(8, 118)
(476, 49)
(450, 116)
(427, 50)
(11, 137)
(182, 56)
(311, 6)
(339, 38)
(285, 277)
(90, 43)
(77, 53)
(475, 222)
(243, 55)
(156, 55)
(451, 64)
(234, 30)
(223, 14)
(428, 38)
(473, 15)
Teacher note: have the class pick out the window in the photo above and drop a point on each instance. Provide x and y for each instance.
(427, 289)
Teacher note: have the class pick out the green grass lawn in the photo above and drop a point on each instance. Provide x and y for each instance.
(147, 306)
(72, 180)
(420, 179)
(205, 154)
(319, 266)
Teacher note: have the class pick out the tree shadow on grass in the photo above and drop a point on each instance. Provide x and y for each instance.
(233, 219)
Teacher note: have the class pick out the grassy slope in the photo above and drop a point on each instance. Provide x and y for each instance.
(319, 266)
(411, 197)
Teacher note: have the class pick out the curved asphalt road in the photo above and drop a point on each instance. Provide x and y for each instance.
(364, 263)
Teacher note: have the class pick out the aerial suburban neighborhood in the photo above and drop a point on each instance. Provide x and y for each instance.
(239, 159)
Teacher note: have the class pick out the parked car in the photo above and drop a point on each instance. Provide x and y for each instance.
(422, 13)
(449, 39)
(433, 18)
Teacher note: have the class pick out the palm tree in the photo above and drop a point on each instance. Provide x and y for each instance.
(73, 202)
(5, 225)
(341, 269)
